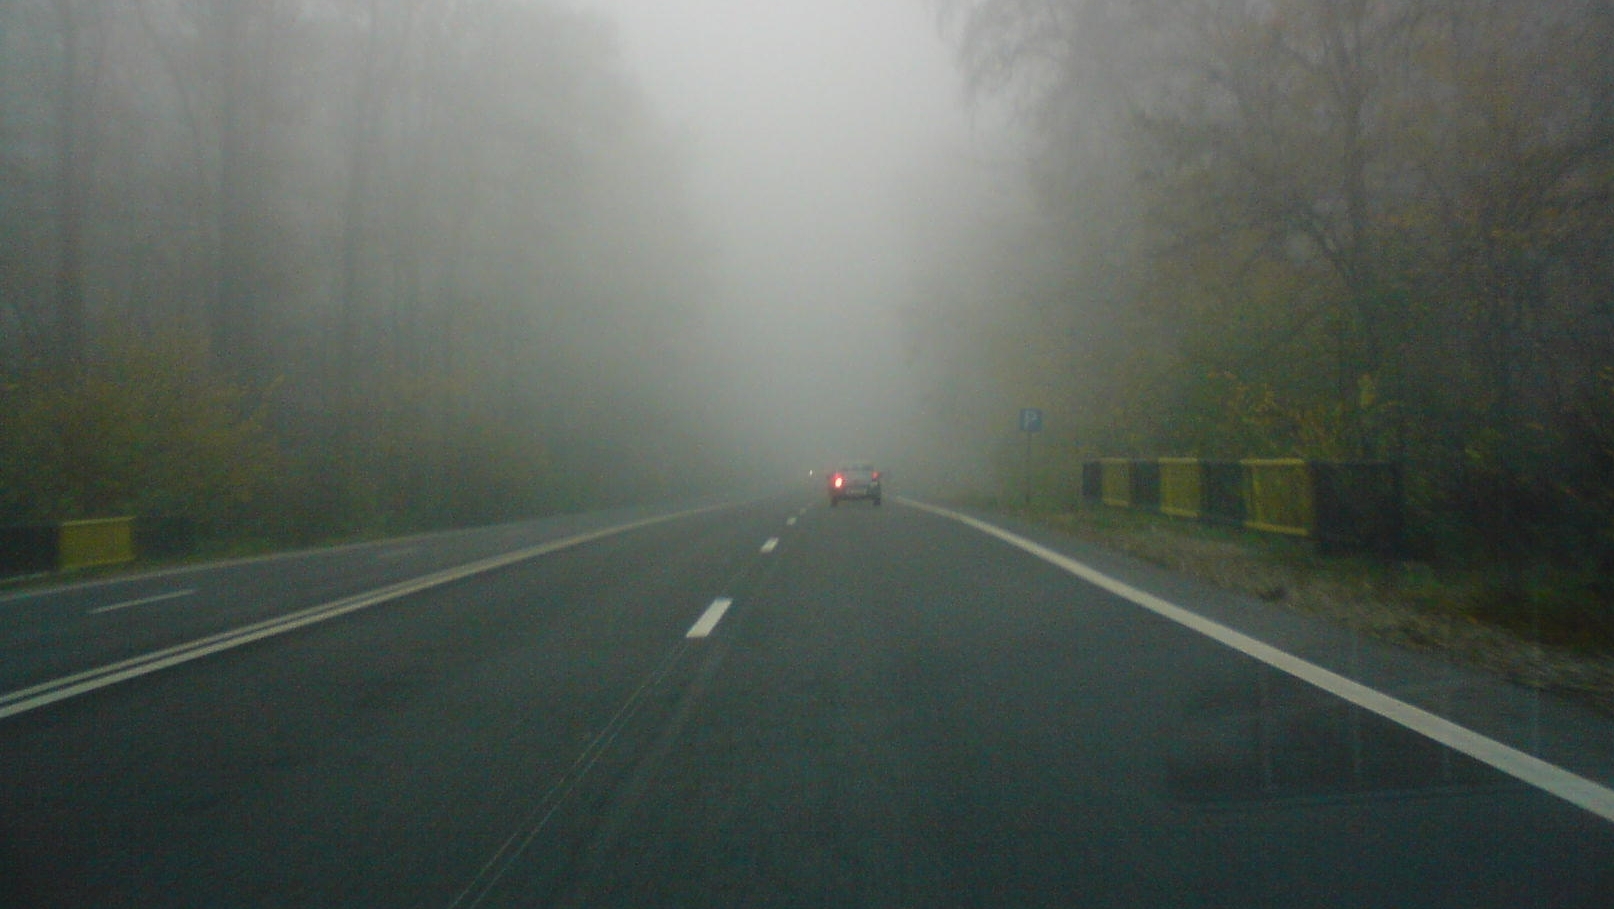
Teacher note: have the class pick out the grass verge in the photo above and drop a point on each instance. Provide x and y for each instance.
(1554, 632)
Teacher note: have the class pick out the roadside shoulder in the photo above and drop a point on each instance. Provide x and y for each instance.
(1567, 731)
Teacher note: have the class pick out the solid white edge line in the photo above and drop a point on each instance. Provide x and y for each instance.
(143, 601)
(35, 696)
(709, 619)
(1527, 768)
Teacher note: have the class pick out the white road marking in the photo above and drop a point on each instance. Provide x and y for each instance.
(790, 521)
(36, 696)
(174, 595)
(709, 618)
(771, 544)
(1527, 768)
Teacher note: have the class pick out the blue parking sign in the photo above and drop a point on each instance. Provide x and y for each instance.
(1030, 419)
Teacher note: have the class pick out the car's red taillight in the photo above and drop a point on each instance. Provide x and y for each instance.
(875, 475)
(839, 481)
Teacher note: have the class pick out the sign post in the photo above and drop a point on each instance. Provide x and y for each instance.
(1030, 424)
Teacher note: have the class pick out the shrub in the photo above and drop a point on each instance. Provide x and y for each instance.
(145, 429)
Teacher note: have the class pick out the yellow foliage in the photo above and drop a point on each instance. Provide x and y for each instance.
(146, 428)
(424, 451)
(1264, 423)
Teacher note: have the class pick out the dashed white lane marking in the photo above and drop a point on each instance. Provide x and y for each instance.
(1527, 768)
(709, 618)
(143, 601)
(33, 697)
(771, 544)
(790, 521)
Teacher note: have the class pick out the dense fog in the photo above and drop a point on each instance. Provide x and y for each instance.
(307, 268)
(815, 131)
(444, 261)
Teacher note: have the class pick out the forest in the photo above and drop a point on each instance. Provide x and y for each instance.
(1329, 229)
(291, 270)
(303, 269)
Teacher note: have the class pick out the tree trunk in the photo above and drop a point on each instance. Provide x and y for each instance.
(234, 320)
(73, 157)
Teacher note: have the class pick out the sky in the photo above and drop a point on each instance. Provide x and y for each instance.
(811, 126)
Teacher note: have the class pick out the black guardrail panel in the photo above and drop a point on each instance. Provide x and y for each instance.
(1092, 480)
(29, 549)
(1224, 492)
(1146, 485)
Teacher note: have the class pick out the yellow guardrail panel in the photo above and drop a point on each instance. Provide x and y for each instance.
(106, 541)
(1278, 496)
(1182, 487)
(1116, 484)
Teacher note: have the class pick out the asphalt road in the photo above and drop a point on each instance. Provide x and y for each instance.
(770, 703)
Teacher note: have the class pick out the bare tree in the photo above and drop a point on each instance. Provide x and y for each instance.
(78, 21)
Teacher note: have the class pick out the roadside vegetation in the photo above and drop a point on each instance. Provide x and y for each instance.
(289, 272)
(1559, 637)
(1349, 230)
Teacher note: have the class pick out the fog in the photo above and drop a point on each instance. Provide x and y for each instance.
(814, 128)
(440, 262)
(307, 268)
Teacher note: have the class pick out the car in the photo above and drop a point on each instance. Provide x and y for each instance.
(854, 480)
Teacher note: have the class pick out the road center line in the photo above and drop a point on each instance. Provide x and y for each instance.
(1527, 768)
(35, 696)
(790, 521)
(709, 618)
(143, 601)
(771, 544)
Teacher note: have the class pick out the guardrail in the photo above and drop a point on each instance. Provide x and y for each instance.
(1279, 497)
(106, 541)
(1344, 506)
(41, 548)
